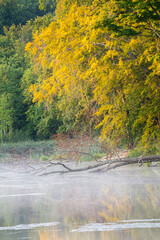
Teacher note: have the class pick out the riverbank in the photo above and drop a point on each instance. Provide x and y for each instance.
(35, 157)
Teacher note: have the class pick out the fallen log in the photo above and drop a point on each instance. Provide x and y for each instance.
(100, 166)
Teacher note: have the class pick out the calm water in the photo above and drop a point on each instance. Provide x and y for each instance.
(122, 204)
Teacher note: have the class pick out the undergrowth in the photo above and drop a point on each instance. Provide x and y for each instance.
(26, 150)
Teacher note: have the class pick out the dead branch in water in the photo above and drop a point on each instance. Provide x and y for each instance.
(107, 165)
(73, 148)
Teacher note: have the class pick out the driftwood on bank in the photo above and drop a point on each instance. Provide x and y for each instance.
(105, 165)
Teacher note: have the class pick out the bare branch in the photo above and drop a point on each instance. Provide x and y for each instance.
(75, 169)
(153, 29)
(112, 164)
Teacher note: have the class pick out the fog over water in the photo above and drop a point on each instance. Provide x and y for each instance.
(120, 204)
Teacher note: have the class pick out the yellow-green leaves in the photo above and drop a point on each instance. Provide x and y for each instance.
(81, 60)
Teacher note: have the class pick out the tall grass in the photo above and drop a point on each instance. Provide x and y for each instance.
(73, 146)
(26, 150)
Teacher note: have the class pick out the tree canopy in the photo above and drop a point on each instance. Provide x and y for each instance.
(91, 65)
(102, 61)
(20, 11)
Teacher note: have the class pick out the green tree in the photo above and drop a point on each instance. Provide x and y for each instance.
(127, 18)
(15, 69)
(19, 12)
(47, 5)
(6, 117)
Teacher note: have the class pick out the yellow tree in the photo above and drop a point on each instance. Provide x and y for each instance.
(100, 69)
(61, 54)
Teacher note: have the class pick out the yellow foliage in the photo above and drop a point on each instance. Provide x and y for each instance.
(82, 61)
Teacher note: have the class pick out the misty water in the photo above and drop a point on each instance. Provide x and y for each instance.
(121, 204)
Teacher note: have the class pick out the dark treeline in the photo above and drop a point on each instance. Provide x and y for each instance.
(20, 119)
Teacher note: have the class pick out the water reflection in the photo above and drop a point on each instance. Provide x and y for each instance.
(131, 202)
(124, 214)
(45, 235)
(88, 207)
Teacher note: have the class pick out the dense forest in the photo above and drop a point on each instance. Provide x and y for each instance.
(91, 65)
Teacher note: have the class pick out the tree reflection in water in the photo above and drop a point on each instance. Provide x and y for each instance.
(141, 202)
(44, 235)
(56, 235)
(138, 202)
